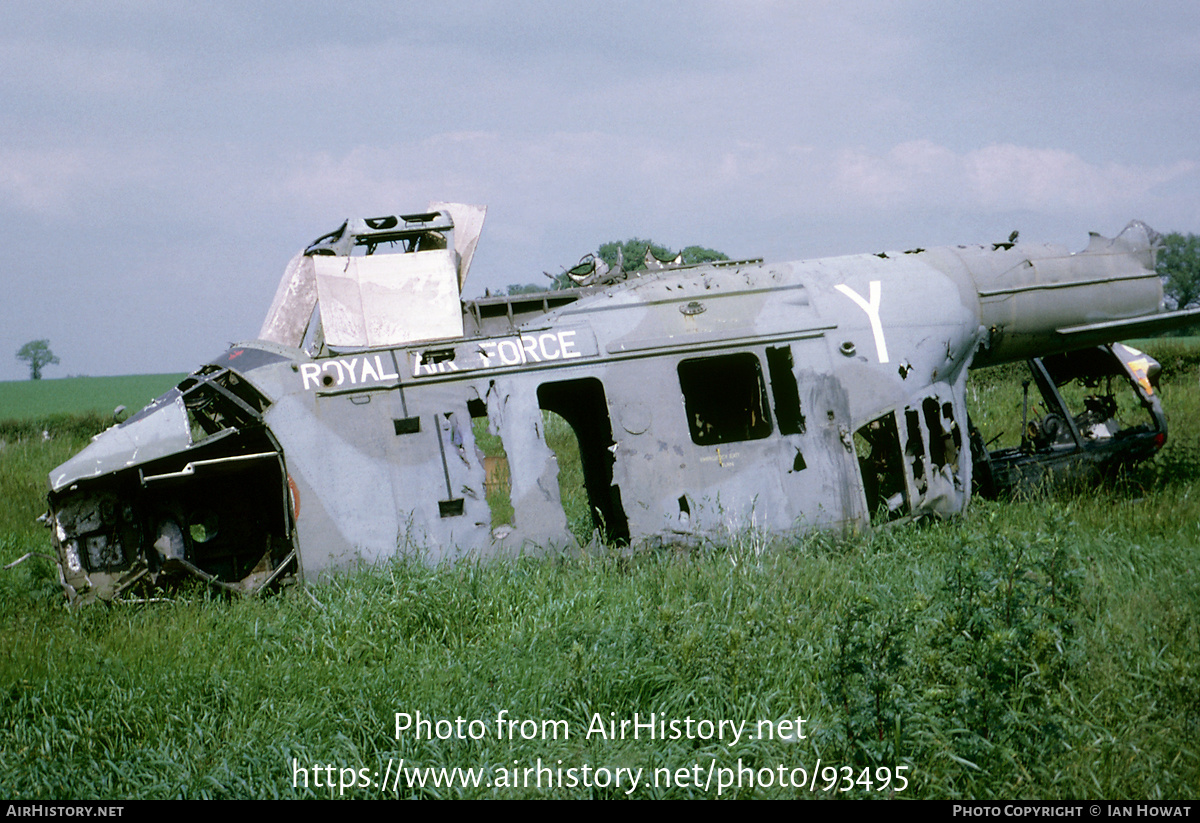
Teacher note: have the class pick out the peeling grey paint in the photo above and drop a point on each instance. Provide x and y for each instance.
(826, 394)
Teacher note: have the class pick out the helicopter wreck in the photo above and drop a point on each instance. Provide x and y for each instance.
(823, 394)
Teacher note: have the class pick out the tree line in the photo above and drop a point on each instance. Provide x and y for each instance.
(633, 254)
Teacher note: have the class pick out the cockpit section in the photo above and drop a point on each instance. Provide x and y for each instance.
(192, 486)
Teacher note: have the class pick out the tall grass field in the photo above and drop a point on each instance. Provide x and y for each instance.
(1040, 647)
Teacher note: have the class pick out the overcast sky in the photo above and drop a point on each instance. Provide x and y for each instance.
(161, 162)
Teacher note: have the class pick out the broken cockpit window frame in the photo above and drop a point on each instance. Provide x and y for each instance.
(218, 399)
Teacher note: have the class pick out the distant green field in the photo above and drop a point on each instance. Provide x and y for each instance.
(24, 399)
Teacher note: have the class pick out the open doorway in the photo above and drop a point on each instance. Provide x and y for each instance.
(582, 404)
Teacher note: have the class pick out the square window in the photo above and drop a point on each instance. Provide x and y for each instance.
(725, 398)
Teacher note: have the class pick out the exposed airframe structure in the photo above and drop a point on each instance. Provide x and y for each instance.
(822, 394)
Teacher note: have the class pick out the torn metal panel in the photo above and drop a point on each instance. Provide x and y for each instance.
(156, 431)
(822, 394)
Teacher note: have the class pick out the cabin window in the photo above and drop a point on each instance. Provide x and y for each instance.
(725, 399)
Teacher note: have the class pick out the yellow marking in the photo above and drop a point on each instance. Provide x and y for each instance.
(1139, 368)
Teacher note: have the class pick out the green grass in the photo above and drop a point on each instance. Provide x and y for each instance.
(25, 399)
(562, 441)
(1035, 648)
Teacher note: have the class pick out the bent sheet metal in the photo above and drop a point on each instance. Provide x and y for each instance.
(822, 394)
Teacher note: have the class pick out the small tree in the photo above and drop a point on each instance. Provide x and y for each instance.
(38, 355)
